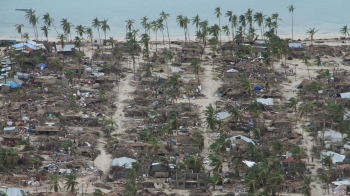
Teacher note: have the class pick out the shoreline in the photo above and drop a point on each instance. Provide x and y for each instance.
(301, 37)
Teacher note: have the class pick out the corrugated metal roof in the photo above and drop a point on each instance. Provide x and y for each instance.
(66, 48)
(295, 45)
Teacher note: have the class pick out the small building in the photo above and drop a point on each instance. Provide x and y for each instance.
(293, 167)
(11, 140)
(231, 73)
(5, 43)
(125, 162)
(230, 46)
(138, 146)
(296, 46)
(9, 130)
(48, 130)
(193, 48)
(189, 180)
(66, 50)
(192, 51)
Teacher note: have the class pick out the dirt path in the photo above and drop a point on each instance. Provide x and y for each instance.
(307, 143)
(103, 160)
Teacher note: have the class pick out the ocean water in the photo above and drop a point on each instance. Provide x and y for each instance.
(324, 15)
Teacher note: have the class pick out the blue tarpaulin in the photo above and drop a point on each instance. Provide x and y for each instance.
(42, 66)
(13, 84)
(257, 88)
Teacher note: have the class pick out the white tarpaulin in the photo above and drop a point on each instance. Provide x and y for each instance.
(123, 162)
(267, 101)
(344, 182)
(249, 163)
(222, 115)
(345, 95)
(234, 138)
(337, 158)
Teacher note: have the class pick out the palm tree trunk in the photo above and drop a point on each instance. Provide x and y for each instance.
(188, 34)
(156, 42)
(185, 35)
(166, 23)
(163, 36)
(233, 35)
(292, 26)
(220, 31)
(55, 29)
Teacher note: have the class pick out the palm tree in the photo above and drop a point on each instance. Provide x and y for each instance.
(165, 16)
(66, 27)
(252, 182)
(255, 152)
(236, 164)
(180, 22)
(219, 146)
(155, 29)
(196, 68)
(45, 30)
(256, 133)
(8, 157)
(105, 27)
(344, 31)
(97, 192)
(259, 19)
(249, 17)
(19, 29)
(325, 177)
(247, 86)
(297, 154)
(62, 39)
(129, 25)
(293, 102)
(213, 180)
(155, 145)
(26, 37)
(277, 148)
(186, 21)
(210, 115)
(218, 15)
(131, 185)
(306, 189)
(227, 31)
(69, 147)
(33, 20)
(230, 15)
(328, 160)
(80, 30)
(97, 25)
(316, 87)
(71, 182)
(236, 115)
(55, 182)
(195, 163)
(199, 138)
(275, 17)
(291, 9)
(48, 21)
(196, 21)
(339, 114)
(144, 22)
(311, 32)
(161, 26)
(90, 35)
(216, 162)
(37, 161)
